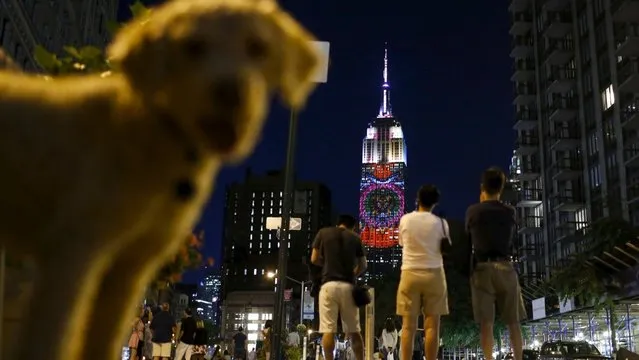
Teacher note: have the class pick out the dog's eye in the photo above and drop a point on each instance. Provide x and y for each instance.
(256, 48)
(195, 48)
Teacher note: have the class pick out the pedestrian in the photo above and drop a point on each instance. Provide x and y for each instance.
(186, 336)
(494, 279)
(422, 287)
(200, 341)
(162, 327)
(340, 253)
(136, 340)
(389, 339)
(266, 338)
(239, 344)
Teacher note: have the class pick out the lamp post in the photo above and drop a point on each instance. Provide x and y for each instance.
(322, 50)
(301, 283)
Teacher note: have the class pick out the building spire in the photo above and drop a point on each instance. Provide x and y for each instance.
(385, 110)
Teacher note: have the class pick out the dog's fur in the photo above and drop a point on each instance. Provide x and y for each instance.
(102, 177)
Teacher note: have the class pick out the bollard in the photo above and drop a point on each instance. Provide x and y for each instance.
(304, 347)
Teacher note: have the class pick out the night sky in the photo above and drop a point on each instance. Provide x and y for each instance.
(449, 72)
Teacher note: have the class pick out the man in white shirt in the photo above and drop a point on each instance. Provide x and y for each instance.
(422, 287)
(293, 338)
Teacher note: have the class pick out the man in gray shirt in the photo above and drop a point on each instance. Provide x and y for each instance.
(494, 280)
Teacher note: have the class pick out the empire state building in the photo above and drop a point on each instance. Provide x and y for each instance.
(382, 192)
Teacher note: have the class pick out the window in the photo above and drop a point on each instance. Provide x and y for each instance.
(595, 176)
(608, 98)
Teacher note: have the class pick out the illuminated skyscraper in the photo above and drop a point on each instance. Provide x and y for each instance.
(382, 198)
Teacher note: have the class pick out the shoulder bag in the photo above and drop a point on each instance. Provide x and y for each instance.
(361, 295)
(446, 243)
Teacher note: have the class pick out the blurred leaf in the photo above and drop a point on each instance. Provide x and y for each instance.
(138, 10)
(73, 52)
(90, 53)
(47, 60)
(112, 27)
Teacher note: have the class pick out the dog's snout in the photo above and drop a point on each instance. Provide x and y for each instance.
(228, 91)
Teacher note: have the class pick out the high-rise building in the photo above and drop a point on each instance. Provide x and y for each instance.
(251, 250)
(576, 77)
(53, 24)
(382, 198)
(209, 297)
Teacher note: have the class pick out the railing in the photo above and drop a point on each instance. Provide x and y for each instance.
(561, 45)
(556, 17)
(527, 140)
(526, 115)
(627, 68)
(566, 196)
(565, 133)
(530, 195)
(524, 16)
(522, 41)
(530, 167)
(525, 89)
(524, 65)
(531, 222)
(572, 163)
(562, 103)
(561, 73)
(631, 151)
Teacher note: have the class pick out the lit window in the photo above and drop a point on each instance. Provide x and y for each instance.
(254, 271)
(253, 317)
(608, 98)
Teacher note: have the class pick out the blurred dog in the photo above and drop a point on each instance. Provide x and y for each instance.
(102, 177)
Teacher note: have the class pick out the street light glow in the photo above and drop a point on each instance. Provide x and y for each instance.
(270, 274)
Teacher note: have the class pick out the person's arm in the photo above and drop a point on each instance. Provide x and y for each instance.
(402, 229)
(360, 255)
(316, 258)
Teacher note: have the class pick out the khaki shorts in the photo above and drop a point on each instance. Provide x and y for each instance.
(497, 283)
(335, 300)
(422, 291)
(162, 349)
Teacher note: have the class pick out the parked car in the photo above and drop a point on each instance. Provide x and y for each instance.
(527, 355)
(568, 350)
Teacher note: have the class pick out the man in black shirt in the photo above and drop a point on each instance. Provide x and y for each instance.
(186, 336)
(340, 253)
(494, 281)
(239, 345)
(162, 327)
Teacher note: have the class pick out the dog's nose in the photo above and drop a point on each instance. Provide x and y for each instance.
(228, 91)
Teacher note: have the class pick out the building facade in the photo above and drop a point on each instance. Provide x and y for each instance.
(576, 77)
(248, 310)
(53, 24)
(251, 250)
(382, 191)
(209, 297)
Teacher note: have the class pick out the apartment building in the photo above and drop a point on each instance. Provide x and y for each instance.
(576, 80)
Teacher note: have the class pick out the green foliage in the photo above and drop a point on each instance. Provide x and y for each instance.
(579, 278)
(188, 258)
(293, 352)
(301, 329)
(86, 59)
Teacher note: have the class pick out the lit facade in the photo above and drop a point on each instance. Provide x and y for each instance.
(249, 310)
(209, 297)
(53, 24)
(382, 191)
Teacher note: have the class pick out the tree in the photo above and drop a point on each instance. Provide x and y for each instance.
(188, 258)
(580, 276)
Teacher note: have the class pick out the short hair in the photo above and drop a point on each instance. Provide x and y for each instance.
(240, 329)
(428, 195)
(347, 221)
(493, 181)
(188, 312)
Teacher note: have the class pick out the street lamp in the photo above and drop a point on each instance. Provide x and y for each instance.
(273, 274)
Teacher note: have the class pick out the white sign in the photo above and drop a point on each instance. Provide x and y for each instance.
(323, 49)
(274, 223)
(567, 305)
(539, 308)
(309, 306)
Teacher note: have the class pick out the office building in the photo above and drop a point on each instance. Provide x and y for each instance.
(382, 193)
(251, 249)
(576, 80)
(209, 296)
(249, 310)
(53, 25)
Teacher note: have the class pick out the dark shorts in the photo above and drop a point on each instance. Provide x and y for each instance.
(496, 284)
(239, 353)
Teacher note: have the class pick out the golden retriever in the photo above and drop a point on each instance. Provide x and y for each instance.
(100, 178)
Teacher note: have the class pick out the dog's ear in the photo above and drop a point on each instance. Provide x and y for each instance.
(299, 63)
(137, 52)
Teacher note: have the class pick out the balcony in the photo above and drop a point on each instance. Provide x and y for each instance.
(564, 231)
(523, 71)
(628, 45)
(561, 80)
(563, 109)
(555, 5)
(625, 11)
(525, 94)
(530, 225)
(527, 145)
(525, 120)
(632, 192)
(567, 200)
(557, 25)
(528, 171)
(630, 115)
(567, 169)
(565, 138)
(628, 76)
(559, 52)
(518, 5)
(522, 47)
(631, 155)
(529, 198)
(522, 23)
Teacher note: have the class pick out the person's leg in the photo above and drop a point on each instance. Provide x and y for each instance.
(166, 351)
(349, 313)
(409, 327)
(483, 300)
(435, 300)
(409, 304)
(328, 312)
(189, 352)
(157, 351)
(180, 350)
(511, 305)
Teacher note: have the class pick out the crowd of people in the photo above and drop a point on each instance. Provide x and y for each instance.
(425, 238)
(153, 334)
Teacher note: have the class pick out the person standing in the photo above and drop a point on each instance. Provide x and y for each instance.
(239, 344)
(200, 341)
(422, 285)
(186, 336)
(162, 327)
(494, 280)
(340, 253)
